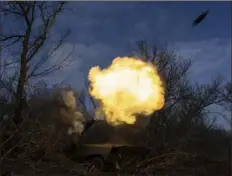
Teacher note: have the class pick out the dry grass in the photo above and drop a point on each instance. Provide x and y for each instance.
(32, 149)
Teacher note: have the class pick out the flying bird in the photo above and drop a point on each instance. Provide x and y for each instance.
(200, 18)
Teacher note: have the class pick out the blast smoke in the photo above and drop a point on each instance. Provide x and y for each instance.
(69, 112)
(59, 109)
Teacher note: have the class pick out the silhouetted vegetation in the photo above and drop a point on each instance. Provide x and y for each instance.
(183, 137)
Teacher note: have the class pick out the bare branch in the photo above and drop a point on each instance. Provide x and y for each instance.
(31, 45)
(11, 8)
(5, 38)
(51, 69)
(25, 10)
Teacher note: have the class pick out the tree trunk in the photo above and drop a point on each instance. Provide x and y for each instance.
(22, 79)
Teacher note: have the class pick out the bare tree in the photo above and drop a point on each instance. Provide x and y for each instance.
(186, 103)
(30, 41)
(226, 95)
(186, 122)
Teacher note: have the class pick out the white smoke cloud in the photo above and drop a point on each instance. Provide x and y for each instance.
(59, 108)
(67, 99)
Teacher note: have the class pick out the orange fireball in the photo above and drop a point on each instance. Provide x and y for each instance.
(129, 86)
